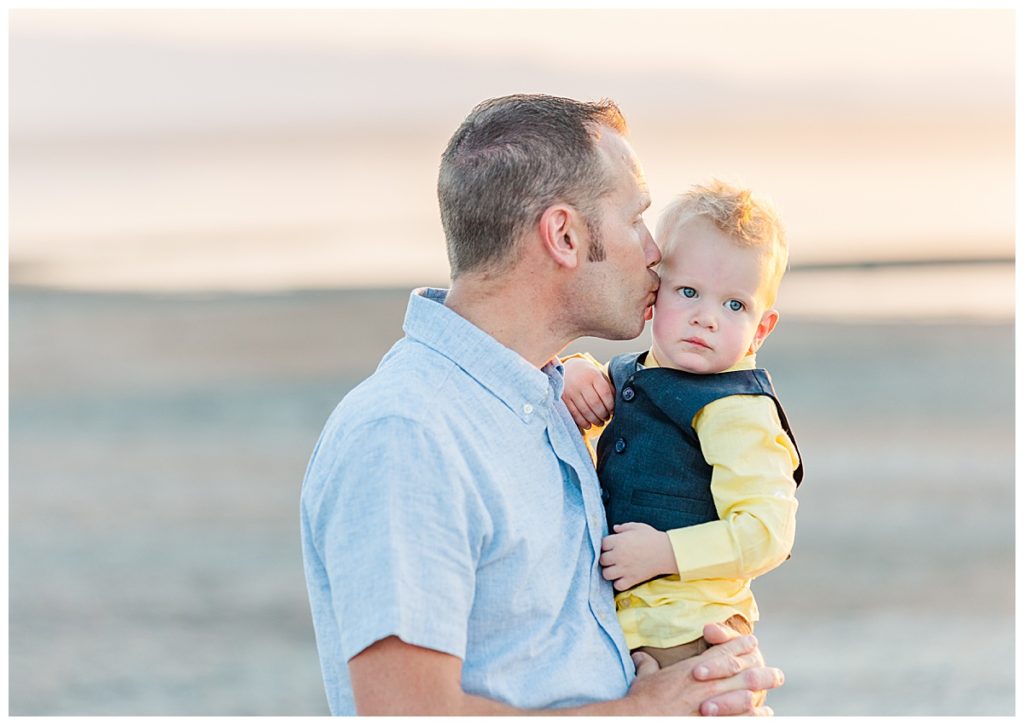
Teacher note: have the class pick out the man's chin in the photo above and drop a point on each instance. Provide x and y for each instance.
(624, 334)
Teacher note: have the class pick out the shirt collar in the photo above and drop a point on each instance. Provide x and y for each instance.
(507, 374)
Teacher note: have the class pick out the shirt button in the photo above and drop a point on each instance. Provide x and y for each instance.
(624, 604)
(627, 394)
(620, 445)
(527, 409)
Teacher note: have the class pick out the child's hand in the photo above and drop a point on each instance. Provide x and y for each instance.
(636, 553)
(588, 393)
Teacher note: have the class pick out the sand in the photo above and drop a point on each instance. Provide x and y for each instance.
(157, 445)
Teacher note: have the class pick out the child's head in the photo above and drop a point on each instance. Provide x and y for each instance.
(723, 257)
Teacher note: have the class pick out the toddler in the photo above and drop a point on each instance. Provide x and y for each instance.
(698, 466)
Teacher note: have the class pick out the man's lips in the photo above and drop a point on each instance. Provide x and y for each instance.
(649, 307)
(698, 342)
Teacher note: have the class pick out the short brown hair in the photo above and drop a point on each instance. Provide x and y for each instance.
(511, 159)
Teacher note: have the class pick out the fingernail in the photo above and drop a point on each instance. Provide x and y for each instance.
(712, 709)
(702, 672)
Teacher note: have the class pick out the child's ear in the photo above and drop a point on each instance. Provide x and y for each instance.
(764, 329)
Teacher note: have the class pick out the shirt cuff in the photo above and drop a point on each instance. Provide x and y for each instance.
(704, 551)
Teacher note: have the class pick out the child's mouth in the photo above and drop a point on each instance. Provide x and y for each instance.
(696, 341)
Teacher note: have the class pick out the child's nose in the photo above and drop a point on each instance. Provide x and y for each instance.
(704, 318)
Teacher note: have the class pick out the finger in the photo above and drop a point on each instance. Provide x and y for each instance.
(740, 694)
(607, 392)
(588, 412)
(737, 702)
(645, 664)
(737, 645)
(763, 678)
(615, 574)
(727, 659)
(606, 560)
(580, 421)
(595, 403)
(607, 543)
(716, 633)
(723, 667)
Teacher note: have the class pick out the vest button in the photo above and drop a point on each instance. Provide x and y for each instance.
(620, 445)
(604, 495)
(627, 394)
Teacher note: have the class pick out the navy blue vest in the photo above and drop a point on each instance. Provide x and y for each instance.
(649, 458)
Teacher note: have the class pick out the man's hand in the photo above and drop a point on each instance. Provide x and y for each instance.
(588, 393)
(737, 702)
(724, 680)
(635, 553)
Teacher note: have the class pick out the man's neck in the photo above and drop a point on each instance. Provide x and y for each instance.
(512, 311)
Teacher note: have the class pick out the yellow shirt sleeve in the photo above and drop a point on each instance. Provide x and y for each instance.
(752, 484)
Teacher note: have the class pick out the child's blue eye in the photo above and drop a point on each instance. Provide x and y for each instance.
(687, 291)
(735, 305)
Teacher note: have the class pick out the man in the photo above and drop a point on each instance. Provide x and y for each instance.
(451, 516)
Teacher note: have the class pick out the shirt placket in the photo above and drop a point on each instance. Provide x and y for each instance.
(569, 447)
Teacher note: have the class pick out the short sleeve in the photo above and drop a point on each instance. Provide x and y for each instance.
(398, 529)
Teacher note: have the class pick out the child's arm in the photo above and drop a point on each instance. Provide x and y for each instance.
(588, 393)
(752, 484)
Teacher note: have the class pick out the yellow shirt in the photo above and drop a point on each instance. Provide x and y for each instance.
(752, 460)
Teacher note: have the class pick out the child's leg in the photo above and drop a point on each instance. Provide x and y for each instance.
(670, 655)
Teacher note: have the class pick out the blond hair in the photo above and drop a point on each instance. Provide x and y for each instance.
(748, 220)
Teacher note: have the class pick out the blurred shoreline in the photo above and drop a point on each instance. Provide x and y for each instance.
(879, 291)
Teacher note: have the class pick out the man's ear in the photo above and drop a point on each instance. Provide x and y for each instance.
(764, 328)
(559, 234)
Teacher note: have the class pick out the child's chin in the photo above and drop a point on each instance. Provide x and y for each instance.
(692, 364)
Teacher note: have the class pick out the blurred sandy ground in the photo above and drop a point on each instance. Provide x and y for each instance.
(157, 444)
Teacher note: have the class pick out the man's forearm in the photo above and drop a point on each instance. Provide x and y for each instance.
(392, 677)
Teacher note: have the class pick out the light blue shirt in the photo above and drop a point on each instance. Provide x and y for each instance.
(451, 502)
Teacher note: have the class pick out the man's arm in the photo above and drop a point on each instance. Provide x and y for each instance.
(391, 677)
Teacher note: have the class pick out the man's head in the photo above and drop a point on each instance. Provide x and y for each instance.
(723, 257)
(511, 159)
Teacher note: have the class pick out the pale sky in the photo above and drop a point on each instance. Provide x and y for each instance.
(875, 60)
(761, 42)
